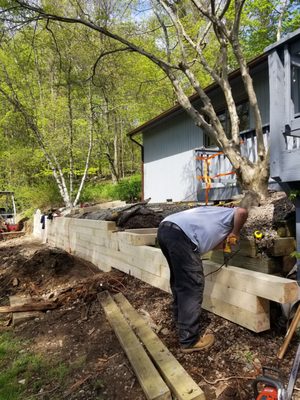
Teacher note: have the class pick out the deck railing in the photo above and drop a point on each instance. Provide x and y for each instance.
(214, 170)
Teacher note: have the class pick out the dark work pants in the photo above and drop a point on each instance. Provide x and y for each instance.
(186, 280)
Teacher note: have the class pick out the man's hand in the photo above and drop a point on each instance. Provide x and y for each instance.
(232, 239)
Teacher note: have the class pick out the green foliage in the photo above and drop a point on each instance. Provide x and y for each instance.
(128, 189)
(295, 254)
(42, 195)
(55, 73)
(294, 194)
(260, 23)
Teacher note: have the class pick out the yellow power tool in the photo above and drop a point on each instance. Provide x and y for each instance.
(229, 244)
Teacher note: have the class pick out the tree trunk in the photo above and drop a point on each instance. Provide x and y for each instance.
(71, 134)
(255, 177)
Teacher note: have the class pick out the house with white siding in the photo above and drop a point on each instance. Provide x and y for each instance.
(178, 157)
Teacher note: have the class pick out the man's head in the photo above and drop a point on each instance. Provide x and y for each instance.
(250, 199)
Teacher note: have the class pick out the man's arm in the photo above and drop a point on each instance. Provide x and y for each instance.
(240, 217)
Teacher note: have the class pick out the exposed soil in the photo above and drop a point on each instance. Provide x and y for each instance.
(78, 333)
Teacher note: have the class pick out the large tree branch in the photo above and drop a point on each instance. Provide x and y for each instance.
(45, 15)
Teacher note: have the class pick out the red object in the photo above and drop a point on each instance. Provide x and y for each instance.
(12, 227)
(268, 393)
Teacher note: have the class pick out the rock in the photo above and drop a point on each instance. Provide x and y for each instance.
(15, 282)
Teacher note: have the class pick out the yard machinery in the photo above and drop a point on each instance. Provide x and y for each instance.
(8, 211)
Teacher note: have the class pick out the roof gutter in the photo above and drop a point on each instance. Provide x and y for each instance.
(142, 163)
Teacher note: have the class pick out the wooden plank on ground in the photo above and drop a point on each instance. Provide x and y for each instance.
(11, 235)
(29, 306)
(20, 317)
(151, 382)
(178, 380)
(275, 288)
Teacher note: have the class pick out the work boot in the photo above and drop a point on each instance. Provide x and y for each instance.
(203, 343)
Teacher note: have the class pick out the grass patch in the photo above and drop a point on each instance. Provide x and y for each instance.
(23, 374)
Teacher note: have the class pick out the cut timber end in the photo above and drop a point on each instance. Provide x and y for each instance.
(138, 237)
(150, 380)
(180, 383)
(20, 317)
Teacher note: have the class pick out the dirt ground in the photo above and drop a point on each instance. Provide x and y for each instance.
(77, 332)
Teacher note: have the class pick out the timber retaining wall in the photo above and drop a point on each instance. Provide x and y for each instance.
(236, 294)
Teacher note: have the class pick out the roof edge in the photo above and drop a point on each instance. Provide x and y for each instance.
(177, 107)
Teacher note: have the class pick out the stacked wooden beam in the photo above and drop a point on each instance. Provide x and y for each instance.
(249, 256)
(237, 294)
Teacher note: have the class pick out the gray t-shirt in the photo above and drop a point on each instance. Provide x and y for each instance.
(206, 226)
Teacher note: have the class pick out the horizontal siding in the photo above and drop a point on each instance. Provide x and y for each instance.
(170, 166)
(173, 177)
(175, 136)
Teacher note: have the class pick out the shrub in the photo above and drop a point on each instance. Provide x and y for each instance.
(128, 189)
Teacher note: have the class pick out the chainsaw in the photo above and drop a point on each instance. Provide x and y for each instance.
(271, 387)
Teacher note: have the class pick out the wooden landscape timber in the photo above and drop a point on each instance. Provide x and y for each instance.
(151, 382)
(182, 386)
(96, 207)
(11, 235)
(16, 303)
(28, 306)
(248, 255)
(235, 293)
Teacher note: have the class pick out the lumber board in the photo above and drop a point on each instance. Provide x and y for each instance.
(275, 288)
(178, 380)
(283, 246)
(29, 306)
(19, 317)
(151, 382)
(143, 231)
(256, 322)
(260, 264)
(11, 235)
(248, 302)
(137, 239)
(97, 207)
